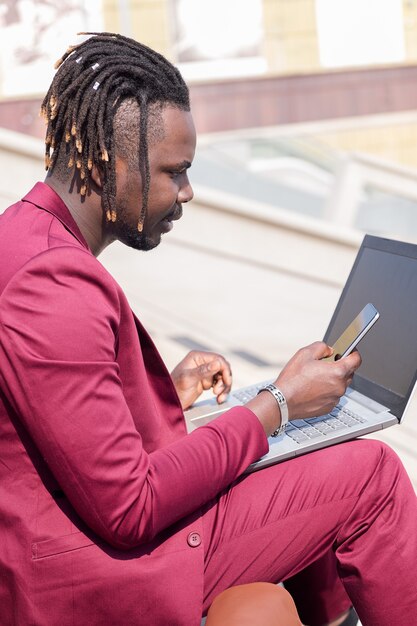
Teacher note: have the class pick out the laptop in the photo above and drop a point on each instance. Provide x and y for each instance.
(384, 273)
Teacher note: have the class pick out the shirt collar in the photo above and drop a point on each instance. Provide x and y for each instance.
(47, 199)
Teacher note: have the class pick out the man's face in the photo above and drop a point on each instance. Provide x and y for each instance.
(169, 159)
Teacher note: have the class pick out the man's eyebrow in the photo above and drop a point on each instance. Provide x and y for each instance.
(184, 165)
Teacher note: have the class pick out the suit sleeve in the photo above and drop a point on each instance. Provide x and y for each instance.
(59, 319)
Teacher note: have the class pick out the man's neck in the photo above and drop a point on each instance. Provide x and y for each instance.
(87, 213)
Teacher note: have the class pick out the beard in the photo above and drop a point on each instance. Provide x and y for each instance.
(131, 237)
(128, 233)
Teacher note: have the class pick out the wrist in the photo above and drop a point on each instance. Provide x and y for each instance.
(266, 409)
(280, 399)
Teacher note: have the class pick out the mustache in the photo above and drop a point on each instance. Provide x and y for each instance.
(175, 214)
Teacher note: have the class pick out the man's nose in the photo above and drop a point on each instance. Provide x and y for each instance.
(186, 193)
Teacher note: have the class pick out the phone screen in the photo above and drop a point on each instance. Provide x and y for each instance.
(357, 329)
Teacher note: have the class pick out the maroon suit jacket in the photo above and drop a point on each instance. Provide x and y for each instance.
(100, 487)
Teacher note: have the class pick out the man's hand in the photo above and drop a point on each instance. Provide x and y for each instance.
(199, 371)
(311, 386)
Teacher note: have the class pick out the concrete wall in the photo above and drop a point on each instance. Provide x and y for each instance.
(21, 165)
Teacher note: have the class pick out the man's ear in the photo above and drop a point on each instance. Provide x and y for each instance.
(96, 176)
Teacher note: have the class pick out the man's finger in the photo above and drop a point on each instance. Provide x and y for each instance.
(319, 350)
(224, 371)
(216, 374)
(218, 384)
(222, 397)
(209, 372)
(351, 362)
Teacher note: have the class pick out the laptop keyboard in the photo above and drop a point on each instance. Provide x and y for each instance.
(307, 429)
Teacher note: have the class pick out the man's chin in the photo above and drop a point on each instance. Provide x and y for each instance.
(131, 237)
(138, 241)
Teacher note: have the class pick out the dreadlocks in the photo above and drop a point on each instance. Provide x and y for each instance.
(93, 80)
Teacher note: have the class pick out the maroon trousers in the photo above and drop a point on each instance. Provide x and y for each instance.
(339, 526)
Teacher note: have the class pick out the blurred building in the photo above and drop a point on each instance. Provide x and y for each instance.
(308, 106)
(255, 64)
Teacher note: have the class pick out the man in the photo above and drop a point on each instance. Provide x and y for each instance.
(110, 513)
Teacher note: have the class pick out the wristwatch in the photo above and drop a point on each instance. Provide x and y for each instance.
(282, 403)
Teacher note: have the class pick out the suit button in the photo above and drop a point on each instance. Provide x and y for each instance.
(194, 540)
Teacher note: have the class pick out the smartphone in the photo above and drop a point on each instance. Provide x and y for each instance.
(356, 330)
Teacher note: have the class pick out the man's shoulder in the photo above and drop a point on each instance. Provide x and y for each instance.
(26, 230)
(35, 242)
(66, 282)
(29, 228)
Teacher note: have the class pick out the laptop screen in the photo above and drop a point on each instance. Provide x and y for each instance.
(385, 274)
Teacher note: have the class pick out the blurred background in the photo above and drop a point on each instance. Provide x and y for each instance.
(306, 112)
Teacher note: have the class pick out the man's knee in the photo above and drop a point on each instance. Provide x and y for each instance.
(374, 452)
(362, 454)
(263, 604)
